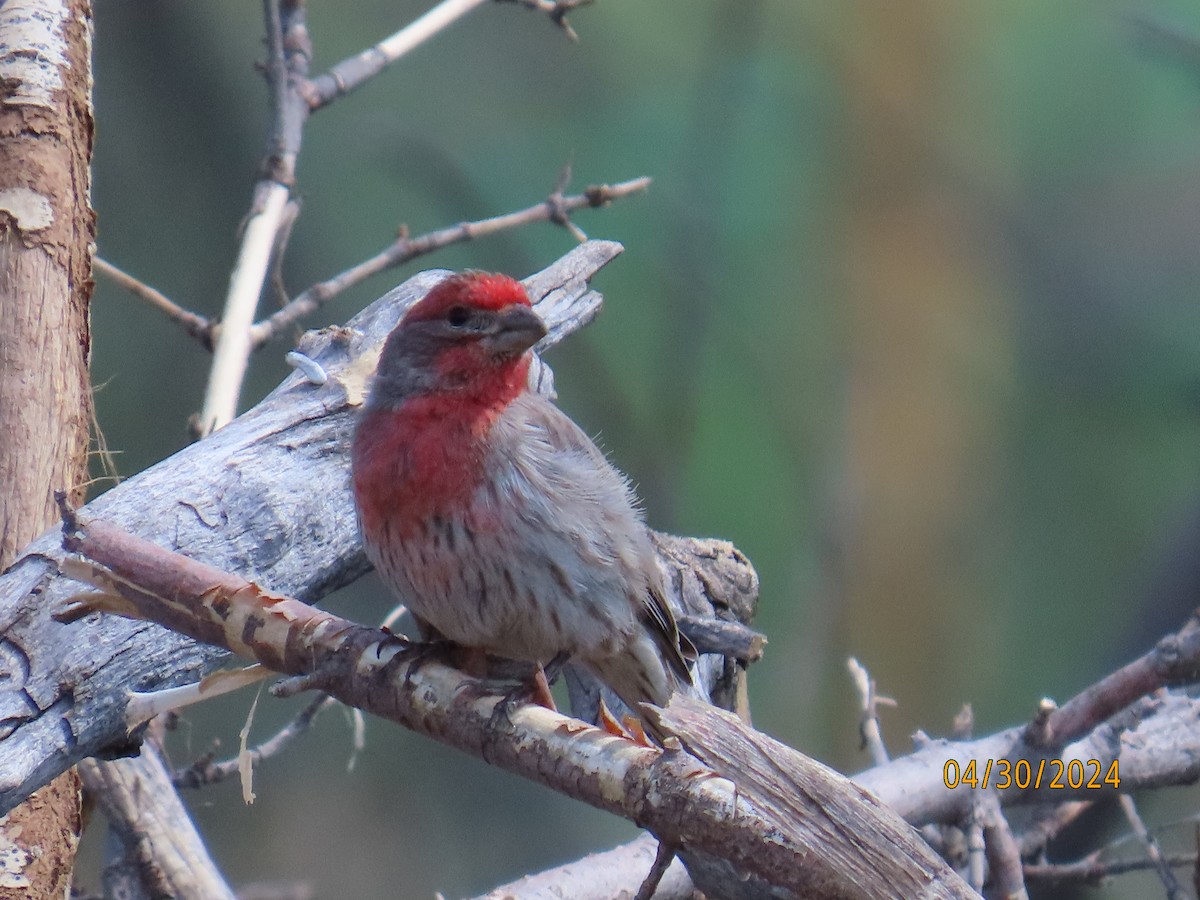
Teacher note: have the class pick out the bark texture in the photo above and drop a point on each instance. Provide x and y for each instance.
(752, 818)
(47, 232)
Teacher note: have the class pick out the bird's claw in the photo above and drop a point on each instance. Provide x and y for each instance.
(536, 689)
(628, 727)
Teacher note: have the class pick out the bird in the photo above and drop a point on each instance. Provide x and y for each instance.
(491, 515)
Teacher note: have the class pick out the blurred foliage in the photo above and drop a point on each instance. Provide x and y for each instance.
(909, 314)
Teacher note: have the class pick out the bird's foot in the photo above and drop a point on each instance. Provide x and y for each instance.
(533, 689)
(629, 728)
(421, 653)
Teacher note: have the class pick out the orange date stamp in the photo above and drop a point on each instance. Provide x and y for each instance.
(1023, 774)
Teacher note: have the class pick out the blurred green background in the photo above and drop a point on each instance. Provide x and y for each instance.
(909, 314)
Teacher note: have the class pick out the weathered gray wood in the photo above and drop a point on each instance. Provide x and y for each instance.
(600, 876)
(267, 496)
(849, 843)
(144, 813)
(1161, 749)
(744, 837)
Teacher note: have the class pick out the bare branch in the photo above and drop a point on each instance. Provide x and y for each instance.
(1152, 743)
(1084, 731)
(557, 10)
(1092, 870)
(1175, 660)
(869, 702)
(976, 851)
(287, 69)
(1047, 822)
(195, 325)
(406, 248)
(663, 857)
(205, 771)
(353, 72)
(1153, 851)
(818, 836)
(166, 855)
(1003, 852)
(731, 639)
(601, 876)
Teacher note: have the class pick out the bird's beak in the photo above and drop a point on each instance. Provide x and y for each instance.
(517, 329)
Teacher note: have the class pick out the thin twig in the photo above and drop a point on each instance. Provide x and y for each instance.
(204, 771)
(1153, 851)
(1046, 823)
(869, 703)
(1092, 870)
(406, 248)
(287, 69)
(557, 10)
(663, 857)
(196, 325)
(353, 72)
(278, 284)
(560, 214)
(107, 457)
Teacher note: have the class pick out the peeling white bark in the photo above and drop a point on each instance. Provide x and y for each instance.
(29, 209)
(32, 52)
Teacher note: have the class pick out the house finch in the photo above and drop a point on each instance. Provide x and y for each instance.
(491, 514)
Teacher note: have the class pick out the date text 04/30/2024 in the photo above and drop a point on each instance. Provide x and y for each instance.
(1022, 774)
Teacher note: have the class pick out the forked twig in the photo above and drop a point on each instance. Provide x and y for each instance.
(405, 248)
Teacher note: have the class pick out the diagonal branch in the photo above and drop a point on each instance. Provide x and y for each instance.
(355, 71)
(206, 771)
(1175, 660)
(1153, 850)
(817, 836)
(197, 326)
(164, 854)
(555, 208)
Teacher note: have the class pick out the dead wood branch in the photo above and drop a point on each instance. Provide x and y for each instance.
(1154, 742)
(268, 497)
(407, 248)
(813, 834)
(600, 876)
(162, 859)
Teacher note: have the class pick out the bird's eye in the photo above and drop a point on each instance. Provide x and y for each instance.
(458, 316)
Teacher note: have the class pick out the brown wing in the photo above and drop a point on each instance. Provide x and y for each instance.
(654, 613)
(676, 649)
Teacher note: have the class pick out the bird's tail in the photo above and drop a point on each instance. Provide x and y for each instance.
(629, 679)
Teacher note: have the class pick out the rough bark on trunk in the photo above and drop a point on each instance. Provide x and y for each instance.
(46, 239)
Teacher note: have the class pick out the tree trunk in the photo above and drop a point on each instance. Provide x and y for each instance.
(47, 230)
